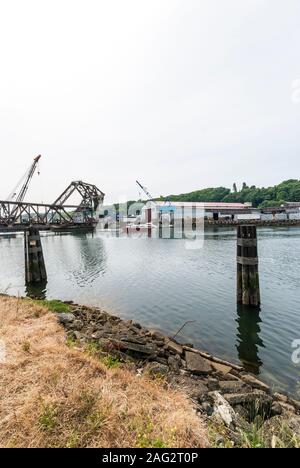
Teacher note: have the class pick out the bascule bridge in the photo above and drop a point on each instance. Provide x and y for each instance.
(16, 215)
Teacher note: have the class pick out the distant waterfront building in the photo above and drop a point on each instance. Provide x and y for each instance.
(209, 210)
(287, 211)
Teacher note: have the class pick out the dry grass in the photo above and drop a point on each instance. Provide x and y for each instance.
(55, 396)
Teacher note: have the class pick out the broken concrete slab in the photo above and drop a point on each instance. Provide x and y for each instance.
(197, 364)
(234, 387)
(133, 339)
(138, 348)
(155, 368)
(65, 318)
(221, 368)
(222, 409)
(174, 347)
(255, 397)
(255, 383)
(174, 362)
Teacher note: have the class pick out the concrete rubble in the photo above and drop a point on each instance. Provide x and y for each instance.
(216, 387)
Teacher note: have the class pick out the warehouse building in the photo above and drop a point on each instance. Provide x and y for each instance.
(152, 212)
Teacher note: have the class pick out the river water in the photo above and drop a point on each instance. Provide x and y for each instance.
(163, 284)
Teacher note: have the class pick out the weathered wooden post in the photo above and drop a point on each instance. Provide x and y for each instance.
(172, 224)
(35, 270)
(149, 221)
(160, 224)
(248, 290)
(249, 342)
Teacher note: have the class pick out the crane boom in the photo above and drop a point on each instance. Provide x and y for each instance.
(28, 176)
(145, 191)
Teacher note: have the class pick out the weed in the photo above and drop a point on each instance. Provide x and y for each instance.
(54, 306)
(111, 362)
(48, 418)
(26, 346)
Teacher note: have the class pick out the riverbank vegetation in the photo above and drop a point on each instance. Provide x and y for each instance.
(287, 191)
(59, 390)
(260, 197)
(55, 395)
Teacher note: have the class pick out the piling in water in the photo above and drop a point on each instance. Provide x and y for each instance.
(35, 270)
(248, 290)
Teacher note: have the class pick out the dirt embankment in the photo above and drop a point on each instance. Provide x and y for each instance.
(55, 395)
(237, 408)
(75, 376)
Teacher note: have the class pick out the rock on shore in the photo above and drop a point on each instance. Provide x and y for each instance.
(220, 390)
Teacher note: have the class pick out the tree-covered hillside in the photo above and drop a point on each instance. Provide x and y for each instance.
(287, 191)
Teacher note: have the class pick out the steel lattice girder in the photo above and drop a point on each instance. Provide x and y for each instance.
(21, 213)
(91, 196)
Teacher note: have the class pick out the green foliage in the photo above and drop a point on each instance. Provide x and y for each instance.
(55, 306)
(287, 191)
(48, 418)
(111, 361)
(94, 349)
(254, 438)
(145, 435)
(71, 342)
(205, 195)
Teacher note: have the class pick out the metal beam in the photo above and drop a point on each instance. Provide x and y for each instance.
(17, 215)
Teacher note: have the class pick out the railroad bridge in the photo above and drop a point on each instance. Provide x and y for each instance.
(31, 218)
(20, 216)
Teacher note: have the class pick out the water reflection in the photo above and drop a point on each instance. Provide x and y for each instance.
(37, 290)
(93, 260)
(162, 284)
(248, 338)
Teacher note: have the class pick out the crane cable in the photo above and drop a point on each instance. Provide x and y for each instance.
(25, 178)
(13, 194)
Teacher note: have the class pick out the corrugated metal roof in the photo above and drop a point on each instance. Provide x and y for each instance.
(204, 205)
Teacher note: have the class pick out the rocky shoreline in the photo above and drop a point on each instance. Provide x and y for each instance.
(219, 390)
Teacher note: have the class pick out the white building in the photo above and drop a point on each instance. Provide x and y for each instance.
(153, 211)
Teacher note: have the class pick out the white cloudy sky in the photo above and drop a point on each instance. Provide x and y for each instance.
(181, 94)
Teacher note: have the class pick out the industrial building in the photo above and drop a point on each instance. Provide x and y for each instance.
(211, 211)
(152, 211)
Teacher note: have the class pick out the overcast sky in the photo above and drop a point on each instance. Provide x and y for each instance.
(180, 94)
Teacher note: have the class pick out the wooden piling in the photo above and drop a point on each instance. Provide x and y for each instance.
(248, 289)
(35, 270)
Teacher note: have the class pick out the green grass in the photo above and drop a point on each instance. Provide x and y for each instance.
(254, 438)
(54, 306)
(71, 342)
(94, 349)
(144, 441)
(111, 361)
(145, 437)
(48, 418)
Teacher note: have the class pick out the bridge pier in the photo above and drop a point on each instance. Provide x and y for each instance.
(248, 289)
(35, 270)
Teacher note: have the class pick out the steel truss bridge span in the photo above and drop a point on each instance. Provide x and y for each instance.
(18, 216)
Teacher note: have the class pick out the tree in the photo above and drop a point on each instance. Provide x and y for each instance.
(288, 190)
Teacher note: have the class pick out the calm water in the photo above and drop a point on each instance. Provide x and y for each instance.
(162, 284)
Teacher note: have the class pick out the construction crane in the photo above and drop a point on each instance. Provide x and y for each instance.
(19, 197)
(145, 190)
